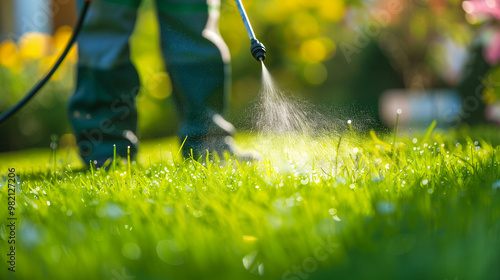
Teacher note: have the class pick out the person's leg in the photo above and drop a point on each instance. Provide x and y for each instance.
(198, 62)
(102, 110)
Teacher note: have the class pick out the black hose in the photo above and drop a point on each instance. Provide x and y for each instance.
(11, 111)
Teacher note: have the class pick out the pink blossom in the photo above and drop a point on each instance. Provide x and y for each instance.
(482, 7)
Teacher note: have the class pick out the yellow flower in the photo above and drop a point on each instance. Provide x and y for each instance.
(332, 10)
(9, 56)
(34, 45)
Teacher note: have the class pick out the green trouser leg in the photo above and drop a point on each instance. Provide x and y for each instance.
(102, 110)
(198, 63)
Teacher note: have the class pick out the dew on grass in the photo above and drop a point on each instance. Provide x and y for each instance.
(425, 182)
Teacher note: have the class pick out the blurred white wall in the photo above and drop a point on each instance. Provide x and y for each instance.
(32, 15)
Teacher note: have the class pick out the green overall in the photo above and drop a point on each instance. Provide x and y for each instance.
(102, 110)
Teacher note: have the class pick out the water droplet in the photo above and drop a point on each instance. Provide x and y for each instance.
(261, 269)
(340, 180)
(169, 210)
(131, 251)
(197, 214)
(385, 207)
(414, 140)
(496, 185)
(399, 111)
(425, 182)
(249, 259)
(111, 211)
(169, 252)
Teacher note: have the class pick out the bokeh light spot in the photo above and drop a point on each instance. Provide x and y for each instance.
(35, 45)
(131, 251)
(313, 51)
(9, 56)
(315, 73)
(159, 85)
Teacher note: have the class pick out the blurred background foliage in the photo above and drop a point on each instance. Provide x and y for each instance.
(339, 54)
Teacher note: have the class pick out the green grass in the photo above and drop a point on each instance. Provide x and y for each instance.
(359, 207)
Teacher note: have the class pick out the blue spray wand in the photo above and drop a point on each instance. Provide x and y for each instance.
(257, 49)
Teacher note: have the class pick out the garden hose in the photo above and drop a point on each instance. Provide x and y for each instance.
(257, 48)
(14, 109)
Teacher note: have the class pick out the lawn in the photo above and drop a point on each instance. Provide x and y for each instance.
(342, 206)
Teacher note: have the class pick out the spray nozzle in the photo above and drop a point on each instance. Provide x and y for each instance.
(258, 50)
